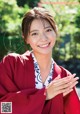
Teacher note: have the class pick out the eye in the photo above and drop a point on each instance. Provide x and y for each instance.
(48, 30)
(33, 34)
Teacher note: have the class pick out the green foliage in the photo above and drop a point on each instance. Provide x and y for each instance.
(31, 3)
(76, 34)
(77, 18)
(76, 37)
(9, 11)
(10, 20)
(10, 27)
(21, 2)
(3, 50)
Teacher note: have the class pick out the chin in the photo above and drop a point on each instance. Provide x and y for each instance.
(46, 52)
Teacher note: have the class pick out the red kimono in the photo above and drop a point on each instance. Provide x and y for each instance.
(17, 85)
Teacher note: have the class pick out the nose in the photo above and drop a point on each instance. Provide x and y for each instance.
(44, 37)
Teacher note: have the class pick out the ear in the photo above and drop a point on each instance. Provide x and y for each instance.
(27, 40)
(22, 35)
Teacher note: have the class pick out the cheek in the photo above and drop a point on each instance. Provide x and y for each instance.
(53, 37)
(31, 43)
(53, 40)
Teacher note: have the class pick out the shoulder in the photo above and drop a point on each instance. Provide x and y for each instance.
(14, 57)
(61, 70)
(14, 62)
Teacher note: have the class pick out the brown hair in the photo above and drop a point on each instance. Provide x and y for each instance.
(36, 13)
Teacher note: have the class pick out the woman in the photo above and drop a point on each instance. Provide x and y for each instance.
(33, 82)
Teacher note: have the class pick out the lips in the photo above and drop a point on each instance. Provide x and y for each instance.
(44, 45)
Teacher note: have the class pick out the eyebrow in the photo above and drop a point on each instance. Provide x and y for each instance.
(35, 30)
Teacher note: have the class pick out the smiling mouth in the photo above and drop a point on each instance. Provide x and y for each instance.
(44, 45)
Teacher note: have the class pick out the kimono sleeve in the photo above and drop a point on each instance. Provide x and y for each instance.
(26, 101)
(71, 101)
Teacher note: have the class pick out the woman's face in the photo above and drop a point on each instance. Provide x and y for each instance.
(41, 37)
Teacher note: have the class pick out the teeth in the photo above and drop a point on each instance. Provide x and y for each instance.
(44, 45)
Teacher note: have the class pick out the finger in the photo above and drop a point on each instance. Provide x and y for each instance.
(65, 86)
(75, 79)
(61, 91)
(61, 81)
(68, 86)
(74, 74)
(66, 79)
(61, 85)
(64, 92)
(71, 84)
(67, 92)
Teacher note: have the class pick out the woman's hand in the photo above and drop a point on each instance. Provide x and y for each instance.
(61, 85)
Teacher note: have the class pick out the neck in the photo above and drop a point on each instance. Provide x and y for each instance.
(44, 60)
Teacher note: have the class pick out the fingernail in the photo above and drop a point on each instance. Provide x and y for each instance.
(77, 78)
(76, 82)
(74, 74)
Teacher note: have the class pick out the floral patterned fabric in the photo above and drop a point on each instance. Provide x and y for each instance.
(38, 81)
